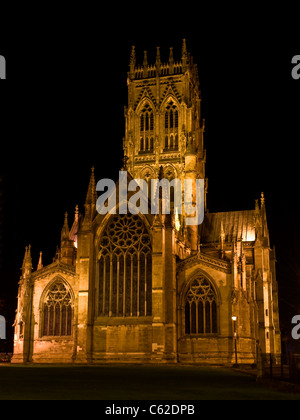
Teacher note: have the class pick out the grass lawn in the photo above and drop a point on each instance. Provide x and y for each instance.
(39, 382)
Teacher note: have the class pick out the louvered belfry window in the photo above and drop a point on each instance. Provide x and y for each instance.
(57, 311)
(125, 269)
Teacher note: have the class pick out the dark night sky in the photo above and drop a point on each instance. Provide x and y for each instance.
(62, 112)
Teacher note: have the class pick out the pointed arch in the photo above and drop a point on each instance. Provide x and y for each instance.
(146, 95)
(200, 301)
(146, 117)
(147, 172)
(170, 110)
(170, 172)
(167, 97)
(124, 266)
(146, 100)
(57, 309)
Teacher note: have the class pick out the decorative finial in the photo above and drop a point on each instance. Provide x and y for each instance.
(57, 254)
(171, 61)
(65, 232)
(76, 213)
(27, 262)
(40, 264)
(132, 57)
(25, 258)
(145, 64)
(158, 60)
(66, 219)
(184, 50)
(222, 238)
(29, 254)
(132, 63)
(262, 199)
(91, 196)
(184, 54)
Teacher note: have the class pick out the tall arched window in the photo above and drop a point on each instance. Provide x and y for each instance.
(125, 269)
(57, 311)
(146, 129)
(201, 308)
(171, 126)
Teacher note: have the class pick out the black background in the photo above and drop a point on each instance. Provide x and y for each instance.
(62, 112)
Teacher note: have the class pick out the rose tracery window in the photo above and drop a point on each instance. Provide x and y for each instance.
(125, 269)
(57, 311)
(201, 308)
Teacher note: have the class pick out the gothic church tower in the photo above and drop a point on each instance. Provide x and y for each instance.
(164, 130)
(163, 116)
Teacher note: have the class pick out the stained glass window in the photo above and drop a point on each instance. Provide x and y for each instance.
(57, 311)
(201, 308)
(125, 269)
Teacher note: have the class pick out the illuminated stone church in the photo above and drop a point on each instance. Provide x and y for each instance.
(149, 288)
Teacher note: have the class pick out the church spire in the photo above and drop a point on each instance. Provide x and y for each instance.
(91, 197)
(24, 259)
(65, 233)
(27, 262)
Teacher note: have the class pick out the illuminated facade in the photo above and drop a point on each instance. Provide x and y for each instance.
(149, 288)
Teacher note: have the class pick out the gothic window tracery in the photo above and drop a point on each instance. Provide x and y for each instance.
(57, 311)
(171, 127)
(201, 308)
(147, 129)
(125, 269)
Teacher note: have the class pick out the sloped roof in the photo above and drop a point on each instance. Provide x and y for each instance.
(56, 267)
(236, 224)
